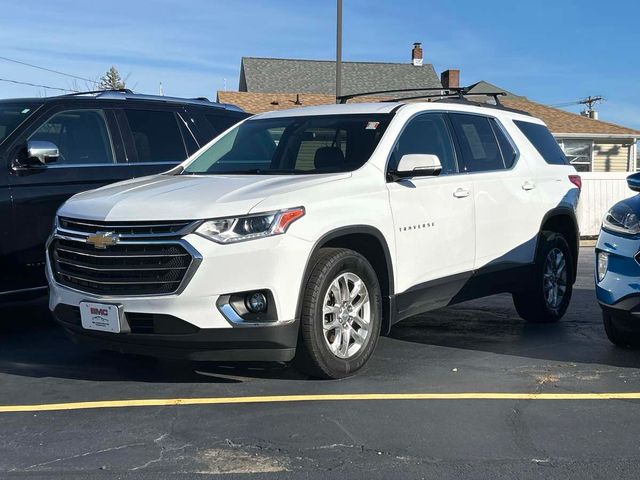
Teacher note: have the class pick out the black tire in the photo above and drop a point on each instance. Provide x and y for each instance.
(531, 303)
(313, 355)
(617, 336)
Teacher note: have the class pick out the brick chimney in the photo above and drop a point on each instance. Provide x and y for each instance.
(450, 78)
(416, 54)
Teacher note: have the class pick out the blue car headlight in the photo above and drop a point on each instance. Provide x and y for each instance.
(621, 219)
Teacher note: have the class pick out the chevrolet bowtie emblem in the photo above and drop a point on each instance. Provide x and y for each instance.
(103, 240)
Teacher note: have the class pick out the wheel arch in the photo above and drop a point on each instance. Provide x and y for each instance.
(562, 219)
(370, 243)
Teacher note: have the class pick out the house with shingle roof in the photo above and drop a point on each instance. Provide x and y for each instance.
(280, 83)
(272, 75)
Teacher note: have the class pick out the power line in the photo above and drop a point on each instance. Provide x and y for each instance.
(48, 69)
(37, 85)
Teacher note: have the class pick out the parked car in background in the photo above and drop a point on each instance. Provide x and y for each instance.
(305, 234)
(52, 148)
(617, 272)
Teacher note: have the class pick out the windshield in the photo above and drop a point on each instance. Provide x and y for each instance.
(13, 114)
(293, 145)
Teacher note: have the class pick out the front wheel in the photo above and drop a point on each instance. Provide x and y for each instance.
(616, 335)
(341, 315)
(547, 298)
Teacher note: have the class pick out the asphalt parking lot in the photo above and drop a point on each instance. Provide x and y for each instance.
(476, 347)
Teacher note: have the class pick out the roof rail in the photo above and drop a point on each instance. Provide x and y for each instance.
(98, 92)
(452, 92)
(129, 94)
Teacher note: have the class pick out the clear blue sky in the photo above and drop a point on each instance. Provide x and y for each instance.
(551, 51)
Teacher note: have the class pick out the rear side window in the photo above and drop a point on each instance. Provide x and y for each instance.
(506, 147)
(541, 138)
(478, 143)
(156, 135)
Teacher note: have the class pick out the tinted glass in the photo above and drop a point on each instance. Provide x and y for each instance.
(427, 134)
(478, 144)
(506, 147)
(541, 138)
(81, 136)
(12, 115)
(290, 145)
(219, 123)
(156, 135)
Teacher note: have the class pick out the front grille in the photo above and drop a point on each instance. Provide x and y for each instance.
(132, 268)
(124, 228)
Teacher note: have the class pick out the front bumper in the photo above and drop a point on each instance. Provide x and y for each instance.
(274, 343)
(622, 280)
(199, 329)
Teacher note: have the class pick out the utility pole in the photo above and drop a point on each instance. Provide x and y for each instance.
(338, 49)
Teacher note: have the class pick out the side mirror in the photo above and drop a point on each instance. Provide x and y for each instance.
(37, 153)
(633, 181)
(418, 165)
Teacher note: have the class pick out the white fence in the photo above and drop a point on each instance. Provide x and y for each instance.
(599, 192)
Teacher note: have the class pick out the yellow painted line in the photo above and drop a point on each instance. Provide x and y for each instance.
(164, 402)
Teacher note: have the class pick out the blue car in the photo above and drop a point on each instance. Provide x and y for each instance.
(617, 272)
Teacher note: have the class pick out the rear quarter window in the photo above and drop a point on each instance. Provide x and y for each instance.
(541, 138)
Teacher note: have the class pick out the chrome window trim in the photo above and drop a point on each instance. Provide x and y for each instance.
(118, 164)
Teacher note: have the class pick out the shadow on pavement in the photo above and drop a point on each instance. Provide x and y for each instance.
(34, 346)
(492, 325)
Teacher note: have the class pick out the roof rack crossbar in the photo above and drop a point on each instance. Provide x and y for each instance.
(345, 98)
(459, 92)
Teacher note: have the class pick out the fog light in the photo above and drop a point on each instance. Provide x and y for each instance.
(256, 302)
(602, 265)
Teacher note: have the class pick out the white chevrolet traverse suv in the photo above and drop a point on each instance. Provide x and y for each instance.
(304, 235)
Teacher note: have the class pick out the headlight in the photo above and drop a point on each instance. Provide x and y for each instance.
(249, 227)
(621, 219)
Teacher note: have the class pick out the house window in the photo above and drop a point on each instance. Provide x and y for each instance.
(579, 153)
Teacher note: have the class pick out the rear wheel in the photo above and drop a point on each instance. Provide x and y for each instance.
(549, 293)
(341, 315)
(617, 336)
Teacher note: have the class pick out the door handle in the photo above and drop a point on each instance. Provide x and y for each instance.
(528, 185)
(461, 192)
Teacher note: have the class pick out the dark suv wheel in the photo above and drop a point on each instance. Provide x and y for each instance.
(549, 292)
(341, 315)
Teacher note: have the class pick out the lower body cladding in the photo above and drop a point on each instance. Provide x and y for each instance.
(237, 302)
(617, 278)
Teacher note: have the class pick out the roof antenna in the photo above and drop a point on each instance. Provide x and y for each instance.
(297, 102)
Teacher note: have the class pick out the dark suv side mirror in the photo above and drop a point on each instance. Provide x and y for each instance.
(37, 153)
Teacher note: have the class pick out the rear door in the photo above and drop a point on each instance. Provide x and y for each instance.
(90, 156)
(156, 138)
(504, 192)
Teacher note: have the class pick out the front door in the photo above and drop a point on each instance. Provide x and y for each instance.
(434, 220)
(87, 160)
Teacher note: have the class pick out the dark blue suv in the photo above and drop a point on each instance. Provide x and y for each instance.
(52, 148)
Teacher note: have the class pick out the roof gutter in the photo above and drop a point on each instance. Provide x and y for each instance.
(629, 136)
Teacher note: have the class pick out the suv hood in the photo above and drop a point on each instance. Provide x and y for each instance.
(185, 197)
